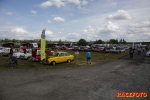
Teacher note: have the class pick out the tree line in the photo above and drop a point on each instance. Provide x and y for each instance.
(80, 42)
(111, 41)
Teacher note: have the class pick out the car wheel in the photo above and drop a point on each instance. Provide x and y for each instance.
(53, 63)
(68, 60)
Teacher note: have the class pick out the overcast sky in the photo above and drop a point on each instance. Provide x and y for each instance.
(75, 19)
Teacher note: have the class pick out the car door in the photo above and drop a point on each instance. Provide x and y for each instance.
(67, 56)
(61, 57)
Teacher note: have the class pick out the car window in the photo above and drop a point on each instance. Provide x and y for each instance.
(66, 54)
(61, 54)
(55, 54)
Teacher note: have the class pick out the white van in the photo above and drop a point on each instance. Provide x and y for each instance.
(34, 45)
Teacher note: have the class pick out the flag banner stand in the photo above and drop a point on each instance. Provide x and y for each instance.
(43, 44)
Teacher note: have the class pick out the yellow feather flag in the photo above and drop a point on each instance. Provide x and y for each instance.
(43, 44)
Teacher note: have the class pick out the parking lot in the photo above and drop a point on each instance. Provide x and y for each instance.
(98, 82)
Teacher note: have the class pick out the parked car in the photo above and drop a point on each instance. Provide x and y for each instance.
(26, 55)
(48, 54)
(75, 48)
(115, 50)
(60, 57)
(63, 47)
(148, 53)
(122, 50)
(99, 49)
(1, 51)
(69, 48)
(126, 47)
(56, 47)
(107, 50)
(21, 52)
(6, 51)
(35, 54)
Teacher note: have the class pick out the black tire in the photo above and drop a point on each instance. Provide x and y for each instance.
(53, 63)
(68, 60)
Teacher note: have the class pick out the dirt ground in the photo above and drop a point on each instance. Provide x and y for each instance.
(97, 82)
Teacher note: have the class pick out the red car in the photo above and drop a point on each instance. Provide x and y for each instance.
(99, 49)
(36, 54)
(75, 48)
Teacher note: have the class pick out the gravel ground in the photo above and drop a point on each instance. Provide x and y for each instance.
(98, 82)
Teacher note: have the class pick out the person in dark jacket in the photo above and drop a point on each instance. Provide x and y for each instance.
(131, 51)
(11, 53)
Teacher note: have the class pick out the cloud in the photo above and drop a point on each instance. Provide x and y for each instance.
(19, 30)
(9, 13)
(59, 32)
(108, 28)
(59, 19)
(49, 34)
(22, 33)
(140, 25)
(16, 33)
(120, 15)
(105, 32)
(140, 28)
(84, 2)
(33, 11)
(77, 2)
(113, 4)
(57, 3)
(139, 31)
(60, 3)
(49, 21)
(73, 36)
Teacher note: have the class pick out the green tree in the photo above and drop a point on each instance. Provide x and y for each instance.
(82, 42)
(99, 41)
(59, 42)
(120, 41)
(113, 41)
(124, 42)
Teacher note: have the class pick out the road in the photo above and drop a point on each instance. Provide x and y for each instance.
(98, 82)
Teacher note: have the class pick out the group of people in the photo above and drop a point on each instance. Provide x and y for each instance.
(140, 50)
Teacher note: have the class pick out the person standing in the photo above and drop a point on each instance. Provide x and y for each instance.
(88, 56)
(11, 53)
(131, 53)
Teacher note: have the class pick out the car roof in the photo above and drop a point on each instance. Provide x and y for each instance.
(61, 52)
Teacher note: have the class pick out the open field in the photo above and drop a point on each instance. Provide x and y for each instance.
(97, 58)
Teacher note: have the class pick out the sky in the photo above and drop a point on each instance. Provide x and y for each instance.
(72, 20)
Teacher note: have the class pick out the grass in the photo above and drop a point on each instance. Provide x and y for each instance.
(96, 58)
